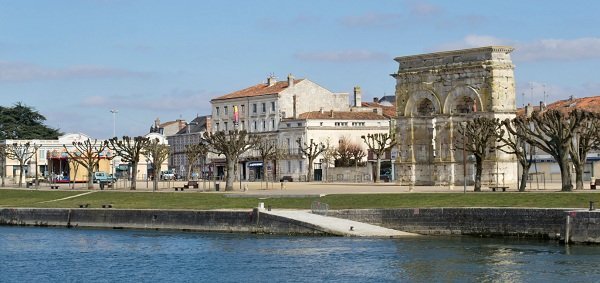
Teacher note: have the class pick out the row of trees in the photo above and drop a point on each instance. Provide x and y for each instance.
(568, 136)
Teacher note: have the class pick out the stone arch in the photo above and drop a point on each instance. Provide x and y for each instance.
(420, 99)
(458, 100)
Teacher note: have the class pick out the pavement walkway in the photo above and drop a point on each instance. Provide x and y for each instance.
(338, 226)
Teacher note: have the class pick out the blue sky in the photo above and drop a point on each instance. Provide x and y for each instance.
(74, 61)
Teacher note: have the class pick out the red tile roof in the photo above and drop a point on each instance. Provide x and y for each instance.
(591, 104)
(388, 111)
(346, 115)
(258, 90)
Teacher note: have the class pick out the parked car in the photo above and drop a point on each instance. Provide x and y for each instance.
(103, 177)
(167, 175)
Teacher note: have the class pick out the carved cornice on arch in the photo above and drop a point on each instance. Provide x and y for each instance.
(461, 91)
(415, 97)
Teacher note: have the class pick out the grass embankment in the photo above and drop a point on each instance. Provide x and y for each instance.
(148, 200)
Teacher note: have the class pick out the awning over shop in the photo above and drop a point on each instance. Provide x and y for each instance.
(255, 164)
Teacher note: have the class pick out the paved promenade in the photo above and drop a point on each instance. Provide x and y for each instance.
(304, 188)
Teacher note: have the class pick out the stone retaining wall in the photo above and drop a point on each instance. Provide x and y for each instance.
(583, 227)
(207, 221)
(515, 222)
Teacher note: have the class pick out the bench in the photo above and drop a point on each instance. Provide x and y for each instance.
(178, 188)
(494, 188)
(193, 184)
(54, 187)
(86, 205)
(107, 206)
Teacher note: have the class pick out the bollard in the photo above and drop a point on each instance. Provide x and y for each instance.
(592, 205)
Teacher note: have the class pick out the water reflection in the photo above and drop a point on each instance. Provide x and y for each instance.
(106, 255)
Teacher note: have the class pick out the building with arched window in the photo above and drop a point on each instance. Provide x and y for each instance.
(437, 91)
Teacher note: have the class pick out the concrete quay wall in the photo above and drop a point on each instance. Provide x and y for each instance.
(556, 224)
(184, 220)
(487, 222)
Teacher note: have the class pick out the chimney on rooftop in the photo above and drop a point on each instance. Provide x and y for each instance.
(322, 110)
(331, 113)
(357, 96)
(542, 106)
(271, 80)
(294, 112)
(375, 99)
(290, 80)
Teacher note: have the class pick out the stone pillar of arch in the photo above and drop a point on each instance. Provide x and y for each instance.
(436, 91)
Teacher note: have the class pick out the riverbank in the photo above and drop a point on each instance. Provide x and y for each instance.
(574, 226)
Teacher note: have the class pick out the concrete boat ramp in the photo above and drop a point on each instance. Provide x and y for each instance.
(338, 226)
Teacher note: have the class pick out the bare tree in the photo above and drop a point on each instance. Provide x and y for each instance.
(267, 150)
(129, 149)
(75, 166)
(88, 154)
(157, 152)
(22, 152)
(348, 153)
(3, 155)
(587, 138)
(193, 153)
(478, 137)
(513, 143)
(230, 144)
(379, 144)
(311, 150)
(552, 131)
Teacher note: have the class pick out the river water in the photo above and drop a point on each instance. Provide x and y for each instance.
(31, 254)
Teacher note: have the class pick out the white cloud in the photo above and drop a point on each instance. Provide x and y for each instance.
(423, 8)
(538, 50)
(343, 56)
(560, 49)
(371, 20)
(177, 100)
(24, 72)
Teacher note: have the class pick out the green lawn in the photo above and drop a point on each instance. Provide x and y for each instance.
(148, 200)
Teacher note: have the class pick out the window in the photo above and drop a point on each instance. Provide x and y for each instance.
(299, 124)
(341, 124)
(289, 166)
(243, 108)
(254, 108)
(358, 124)
(242, 125)
(300, 165)
(273, 124)
(217, 127)
(289, 125)
(264, 125)
(321, 124)
(255, 125)
(225, 110)
(264, 107)
(225, 125)
(217, 111)
(273, 106)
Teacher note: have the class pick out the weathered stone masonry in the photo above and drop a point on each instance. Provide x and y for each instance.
(435, 92)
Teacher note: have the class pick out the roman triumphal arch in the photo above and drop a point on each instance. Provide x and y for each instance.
(435, 92)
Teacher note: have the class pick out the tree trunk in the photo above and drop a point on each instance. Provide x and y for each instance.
(155, 180)
(478, 170)
(310, 169)
(189, 172)
(134, 175)
(565, 175)
(377, 169)
(90, 179)
(579, 176)
(265, 175)
(524, 176)
(230, 175)
(20, 174)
